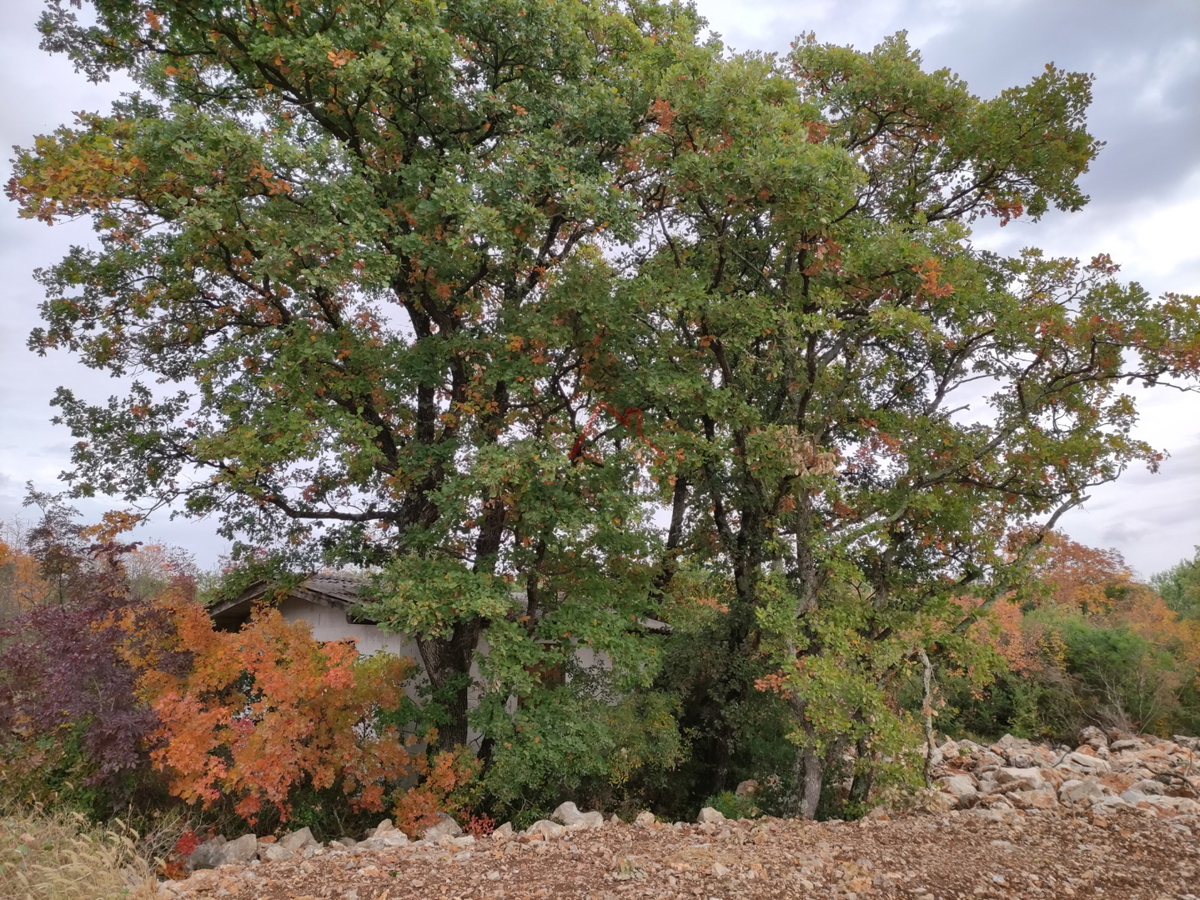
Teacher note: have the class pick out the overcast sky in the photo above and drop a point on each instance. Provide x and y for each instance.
(1144, 211)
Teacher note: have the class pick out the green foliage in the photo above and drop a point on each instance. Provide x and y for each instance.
(1128, 681)
(732, 806)
(1180, 587)
(564, 747)
(1090, 670)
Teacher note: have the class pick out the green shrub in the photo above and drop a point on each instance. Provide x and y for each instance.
(732, 806)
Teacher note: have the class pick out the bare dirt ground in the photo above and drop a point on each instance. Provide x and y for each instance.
(960, 854)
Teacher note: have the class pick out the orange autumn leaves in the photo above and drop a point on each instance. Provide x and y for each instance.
(1094, 583)
(252, 717)
(22, 586)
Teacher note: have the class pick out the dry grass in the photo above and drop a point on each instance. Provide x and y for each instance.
(60, 856)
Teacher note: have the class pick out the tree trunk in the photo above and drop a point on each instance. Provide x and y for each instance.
(864, 775)
(448, 665)
(808, 773)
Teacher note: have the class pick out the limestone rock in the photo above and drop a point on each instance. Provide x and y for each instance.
(644, 819)
(208, 855)
(296, 841)
(1087, 791)
(567, 813)
(747, 788)
(274, 852)
(1013, 779)
(549, 830)
(504, 832)
(444, 825)
(239, 851)
(710, 816)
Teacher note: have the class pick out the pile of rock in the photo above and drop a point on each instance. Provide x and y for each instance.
(445, 833)
(1104, 773)
(302, 845)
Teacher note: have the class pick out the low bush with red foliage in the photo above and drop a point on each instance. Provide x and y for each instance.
(267, 713)
(479, 825)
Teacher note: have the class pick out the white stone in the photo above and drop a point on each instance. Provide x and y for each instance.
(710, 816)
(586, 821)
(1076, 791)
(444, 825)
(297, 840)
(567, 813)
(546, 828)
(241, 850)
(274, 852)
(1014, 779)
(644, 819)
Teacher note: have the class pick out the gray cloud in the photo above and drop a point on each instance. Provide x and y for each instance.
(1146, 58)
(1153, 519)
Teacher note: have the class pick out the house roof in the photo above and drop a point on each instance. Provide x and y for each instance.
(336, 591)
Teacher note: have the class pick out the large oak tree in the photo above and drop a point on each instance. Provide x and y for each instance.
(360, 240)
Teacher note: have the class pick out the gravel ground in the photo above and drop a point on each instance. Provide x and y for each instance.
(960, 854)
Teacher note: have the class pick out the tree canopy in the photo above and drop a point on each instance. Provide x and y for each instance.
(556, 297)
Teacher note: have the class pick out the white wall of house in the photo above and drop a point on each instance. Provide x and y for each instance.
(330, 624)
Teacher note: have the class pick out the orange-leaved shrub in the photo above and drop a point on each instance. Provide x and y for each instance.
(264, 713)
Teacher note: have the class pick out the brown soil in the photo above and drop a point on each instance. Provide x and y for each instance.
(954, 855)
